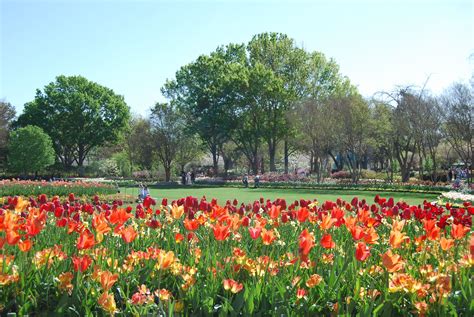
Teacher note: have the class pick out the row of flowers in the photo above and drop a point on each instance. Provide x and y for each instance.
(59, 188)
(269, 257)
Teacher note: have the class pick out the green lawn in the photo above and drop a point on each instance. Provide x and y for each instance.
(250, 194)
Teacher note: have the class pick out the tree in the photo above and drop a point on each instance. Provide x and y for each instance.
(315, 122)
(167, 128)
(382, 132)
(284, 62)
(353, 119)
(458, 107)
(314, 116)
(189, 149)
(7, 113)
(249, 113)
(30, 150)
(406, 136)
(79, 115)
(139, 144)
(202, 91)
(429, 134)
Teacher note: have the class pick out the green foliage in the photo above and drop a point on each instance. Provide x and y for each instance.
(30, 150)
(79, 115)
(123, 164)
(7, 113)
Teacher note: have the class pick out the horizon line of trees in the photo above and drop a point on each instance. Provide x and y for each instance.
(254, 105)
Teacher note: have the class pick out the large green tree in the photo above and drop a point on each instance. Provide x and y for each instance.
(30, 150)
(314, 118)
(139, 144)
(78, 114)
(7, 113)
(167, 127)
(285, 65)
(458, 112)
(202, 91)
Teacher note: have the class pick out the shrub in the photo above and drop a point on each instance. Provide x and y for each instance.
(341, 175)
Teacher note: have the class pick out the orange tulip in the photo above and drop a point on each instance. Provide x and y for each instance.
(221, 232)
(177, 211)
(357, 233)
(81, 263)
(107, 280)
(398, 225)
(302, 214)
(326, 222)
(65, 280)
(397, 238)
(350, 221)
(99, 222)
(34, 226)
(107, 302)
(314, 280)
(274, 212)
(178, 237)
(268, 236)
(191, 224)
(12, 237)
(164, 260)
(25, 245)
(446, 244)
(128, 234)
(362, 251)
(432, 230)
(119, 217)
(306, 241)
(459, 231)
(86, 240)
(371, 236)
(233, 286)
(327, 242)
(392, 262)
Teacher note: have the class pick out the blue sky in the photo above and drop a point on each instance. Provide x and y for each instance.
(134, 46)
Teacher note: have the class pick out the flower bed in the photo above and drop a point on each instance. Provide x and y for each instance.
(202, 258)
(376, 187)
(56, 188)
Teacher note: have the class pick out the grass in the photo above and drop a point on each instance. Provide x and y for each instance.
(248, 195)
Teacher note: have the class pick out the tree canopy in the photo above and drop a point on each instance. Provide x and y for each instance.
(30, 150)
(78, 115)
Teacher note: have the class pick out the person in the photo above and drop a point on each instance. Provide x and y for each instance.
(140, 192)
(245, 181)
(188, 178)
(193, 177)
(145, 192)
(183, 177)
(257, 181)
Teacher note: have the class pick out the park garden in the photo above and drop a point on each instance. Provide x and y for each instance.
(308, 198)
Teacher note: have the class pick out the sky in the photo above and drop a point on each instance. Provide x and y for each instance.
(132, 47)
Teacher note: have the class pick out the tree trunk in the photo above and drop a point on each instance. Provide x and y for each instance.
(339, 164)
(227, 164)
(271, 154)
(286, 150)
(167, 173)
(405, 171)
(215, 160)
(254, 165)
